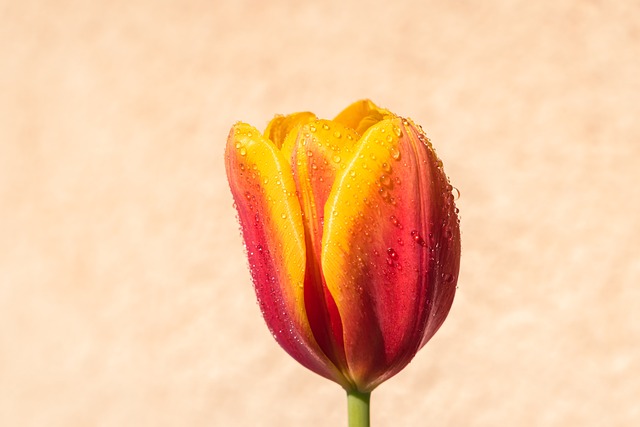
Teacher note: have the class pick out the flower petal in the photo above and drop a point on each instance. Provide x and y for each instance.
(271, 220)
(281, 126)
(322, 149)
(361, 115)
(385, 221)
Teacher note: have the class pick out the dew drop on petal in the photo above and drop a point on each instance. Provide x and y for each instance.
(418, 238)
(395, 153)
(392, 254)
(243, 151)
(336, 159)
(456, 193)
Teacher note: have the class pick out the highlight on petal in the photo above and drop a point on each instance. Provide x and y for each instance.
(271, 220)
(382, 257)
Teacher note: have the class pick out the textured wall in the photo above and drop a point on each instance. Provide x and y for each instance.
(124, 294)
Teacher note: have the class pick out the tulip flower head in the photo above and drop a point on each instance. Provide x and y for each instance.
(352, 237)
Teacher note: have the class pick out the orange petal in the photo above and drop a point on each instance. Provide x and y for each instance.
(281, 126)
(388, 220)
(361, 115)
(322, 149)
(271, 220)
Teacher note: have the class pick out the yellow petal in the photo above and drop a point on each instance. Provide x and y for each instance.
(375, 256)
(271, 220)
(361, 115)
(281, 126)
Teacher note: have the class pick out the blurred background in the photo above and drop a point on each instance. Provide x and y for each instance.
(125, 298)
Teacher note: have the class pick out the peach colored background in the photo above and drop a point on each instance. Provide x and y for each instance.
(124, 294)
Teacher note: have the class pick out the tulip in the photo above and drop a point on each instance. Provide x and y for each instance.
(352, 236)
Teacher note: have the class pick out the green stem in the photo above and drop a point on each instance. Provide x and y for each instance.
(358, 408)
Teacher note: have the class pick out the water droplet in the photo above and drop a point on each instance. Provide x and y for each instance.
(337, 134)
(336, 159)
(284, 216)
(238, 145)
(395, 222)
(352, 173)
(389, 139)
(386, 167)
(265, 181)
(455, 192)
(448, 234)
(312, 128)
(418, 238)
(392, 254)
(243, 151)
(400, 241)
(448, 278)
(397, 131)
(310, 153)
(395, 153)
(385, 180)
(325, 126)
(397, 180)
